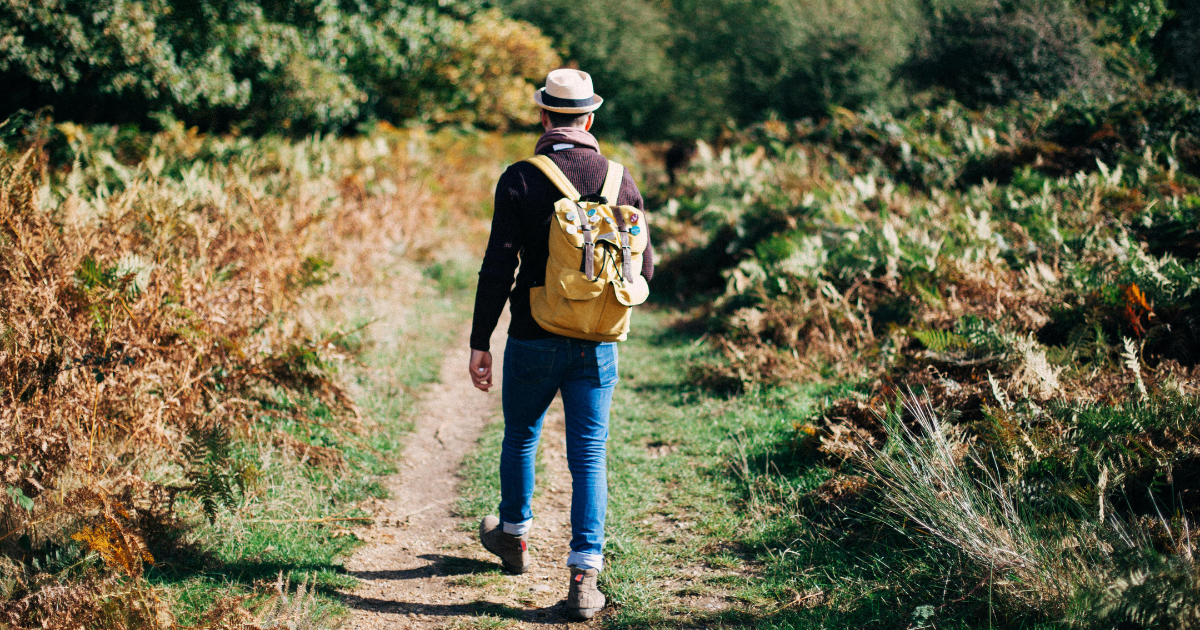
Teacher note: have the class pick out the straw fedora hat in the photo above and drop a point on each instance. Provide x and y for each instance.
(568, 92)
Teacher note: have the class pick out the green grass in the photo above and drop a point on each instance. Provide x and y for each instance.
(680, 503)
(479, 488)
(712, 501)
(727, 512)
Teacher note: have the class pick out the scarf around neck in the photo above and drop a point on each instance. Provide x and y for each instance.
(566, 135)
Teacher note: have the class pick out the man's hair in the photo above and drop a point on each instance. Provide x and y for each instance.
(566, 120)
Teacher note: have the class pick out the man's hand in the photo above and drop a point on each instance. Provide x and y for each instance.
(481, 370)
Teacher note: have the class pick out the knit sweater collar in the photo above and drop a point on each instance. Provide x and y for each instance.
(574, 136)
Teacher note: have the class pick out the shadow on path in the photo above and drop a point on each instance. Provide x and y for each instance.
(555, 614)
(444, 565)
(439, 564)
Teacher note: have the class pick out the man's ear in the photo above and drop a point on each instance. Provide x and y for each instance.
(545, 119)
(587, 126)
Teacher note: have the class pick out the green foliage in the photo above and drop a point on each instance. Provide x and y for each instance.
(1134, 21)
(996, 51)
(18, 496)
(1127, 32)
(1178, 46)
(1033, 271)
(1163, 594)
(263, 66)
(689, 67)
(941, 340)
(795, 58)
(314, 271)
(677, 69)
(875, 195)
(1165, 120)
(624, 45)
(207, 454)
(692, 67)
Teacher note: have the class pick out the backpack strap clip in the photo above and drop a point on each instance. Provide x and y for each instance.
(589, 248)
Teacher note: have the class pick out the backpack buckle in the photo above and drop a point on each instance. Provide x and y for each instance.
(595, 198)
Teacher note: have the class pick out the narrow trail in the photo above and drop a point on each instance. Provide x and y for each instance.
(423, 566)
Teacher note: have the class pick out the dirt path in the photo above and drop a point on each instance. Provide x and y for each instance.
(423, 567)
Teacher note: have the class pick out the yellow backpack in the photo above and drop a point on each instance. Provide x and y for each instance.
(594, 272)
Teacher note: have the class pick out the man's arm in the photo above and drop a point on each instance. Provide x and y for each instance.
(495, 277)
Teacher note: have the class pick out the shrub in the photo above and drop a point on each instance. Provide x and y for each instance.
(1163, 120)
(796, 58)
(1179, 46)
(996, 51)
(689, 68)
(487, 77)
(623, 44)
(159, 321)
(300, 66)
(1127, 33)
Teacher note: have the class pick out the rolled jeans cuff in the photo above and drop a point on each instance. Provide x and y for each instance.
(517, 529)
(586, 560)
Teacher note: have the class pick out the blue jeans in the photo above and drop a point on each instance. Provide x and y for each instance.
(586, 373)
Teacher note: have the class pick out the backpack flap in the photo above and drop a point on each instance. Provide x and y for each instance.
(631, 287)
(567, 242)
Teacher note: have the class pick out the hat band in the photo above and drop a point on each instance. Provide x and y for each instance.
(554, 101)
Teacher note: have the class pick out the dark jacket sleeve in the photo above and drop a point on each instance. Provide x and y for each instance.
(631, 196)
(499, 261)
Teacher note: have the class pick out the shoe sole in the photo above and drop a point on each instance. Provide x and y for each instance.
(582, 614)
(503, 563)
(511, 569)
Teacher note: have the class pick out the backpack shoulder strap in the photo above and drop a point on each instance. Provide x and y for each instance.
(612, 182)
(560, 181)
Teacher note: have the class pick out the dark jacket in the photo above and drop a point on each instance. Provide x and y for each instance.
(520, 234)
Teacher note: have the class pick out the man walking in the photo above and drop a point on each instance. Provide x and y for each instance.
(538, 363)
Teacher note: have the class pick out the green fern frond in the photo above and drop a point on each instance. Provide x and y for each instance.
(208, 456)
(942, 340)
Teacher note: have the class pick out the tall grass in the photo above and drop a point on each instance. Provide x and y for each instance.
(1070, 563)
(931, 483)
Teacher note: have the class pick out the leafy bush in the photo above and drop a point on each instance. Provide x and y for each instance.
(266, 66)
(486, 78)
(680, 69)
(796, 58)
(689, 67)
(1128, 31)
(1179, 45)
(996, 51)
(624, 45)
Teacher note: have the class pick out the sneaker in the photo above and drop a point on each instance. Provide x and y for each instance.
(512, 550)
(584, 600)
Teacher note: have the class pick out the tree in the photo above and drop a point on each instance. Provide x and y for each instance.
(266, 65)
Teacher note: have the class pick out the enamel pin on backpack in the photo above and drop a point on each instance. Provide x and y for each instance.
(594, 271)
